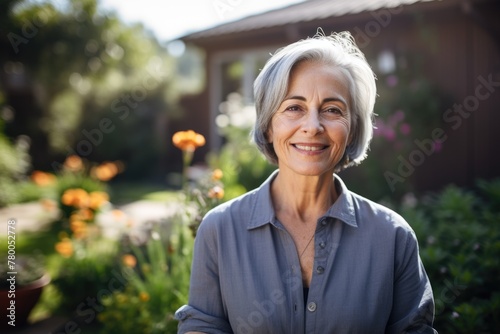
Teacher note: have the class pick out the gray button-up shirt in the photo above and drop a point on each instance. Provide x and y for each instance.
(246, 277)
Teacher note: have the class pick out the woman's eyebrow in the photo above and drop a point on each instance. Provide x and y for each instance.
(325, 100)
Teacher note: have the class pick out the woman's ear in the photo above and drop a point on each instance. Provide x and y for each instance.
(269, 136)
(350, 138)
(352, 131)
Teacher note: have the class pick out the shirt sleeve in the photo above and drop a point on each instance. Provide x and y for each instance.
(205, 311)
(413, 303)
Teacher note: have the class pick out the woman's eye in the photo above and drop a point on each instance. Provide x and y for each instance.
(293, 108)
(333, 111)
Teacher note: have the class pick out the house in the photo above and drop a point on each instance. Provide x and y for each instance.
(455, 42)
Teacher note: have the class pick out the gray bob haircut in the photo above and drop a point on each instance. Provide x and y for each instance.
(338, 50)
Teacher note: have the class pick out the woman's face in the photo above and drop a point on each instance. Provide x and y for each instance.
(310, 129)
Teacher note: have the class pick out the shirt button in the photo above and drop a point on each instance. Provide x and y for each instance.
(320, 270)
(311, 307)
(322, 244)
(323, 222)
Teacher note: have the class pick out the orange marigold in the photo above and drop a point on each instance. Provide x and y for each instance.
(105, 171)
(217, 174)
(64, 247)
(79, 229)
(188, 140)
(82, 214)
(216, 192)
(129, 260)
(73, 163)
(143, 296)
(77, 198)
(97, 199)
(42, 179)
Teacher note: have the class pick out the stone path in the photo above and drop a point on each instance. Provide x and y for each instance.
(28, 216)
(32, 217)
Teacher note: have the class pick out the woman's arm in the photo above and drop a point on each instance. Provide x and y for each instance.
(413, 301)
(205, 311)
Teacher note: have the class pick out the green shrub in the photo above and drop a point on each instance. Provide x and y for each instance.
(244, 167)
(85, 272)
(158, 275)
(459, 233)
(14, 162)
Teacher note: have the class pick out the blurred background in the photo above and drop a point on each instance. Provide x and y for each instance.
(92, 93)
(141, 72)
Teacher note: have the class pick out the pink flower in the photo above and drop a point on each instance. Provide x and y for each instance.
(392, 80)
(397, 117)
(379, 128)
(405, 129)
(389, 134)
(438, 146)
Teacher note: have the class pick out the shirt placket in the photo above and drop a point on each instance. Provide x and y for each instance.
(326, 242)
(292, 279)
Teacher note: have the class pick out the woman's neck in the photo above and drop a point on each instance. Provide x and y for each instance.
(304, 198)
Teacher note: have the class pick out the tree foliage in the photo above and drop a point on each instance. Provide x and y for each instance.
(78, 80)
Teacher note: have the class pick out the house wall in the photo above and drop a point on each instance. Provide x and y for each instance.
(465, 56)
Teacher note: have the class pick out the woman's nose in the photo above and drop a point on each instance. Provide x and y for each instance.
(312, 123)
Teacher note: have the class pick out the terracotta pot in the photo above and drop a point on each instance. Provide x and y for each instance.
(26, 297)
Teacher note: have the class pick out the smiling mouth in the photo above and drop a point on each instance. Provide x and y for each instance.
(310, 148)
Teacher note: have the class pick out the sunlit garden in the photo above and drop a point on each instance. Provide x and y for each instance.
(86, 112)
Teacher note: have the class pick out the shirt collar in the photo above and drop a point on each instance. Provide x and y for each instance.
(263, 212)
(343, 208)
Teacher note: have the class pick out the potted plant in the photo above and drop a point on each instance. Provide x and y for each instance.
(21, 283)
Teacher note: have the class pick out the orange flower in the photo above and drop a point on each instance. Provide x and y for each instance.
(97, 199)
(217, 174)
(73, 163)
(77, 198)
(105, 171)
(82, 214)
(188, 140)
(143, 296)
(216, 192)
(42, 179)
(64, 247)
(79, 229)
(129, 260)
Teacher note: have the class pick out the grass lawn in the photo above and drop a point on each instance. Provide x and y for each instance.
(126, 192)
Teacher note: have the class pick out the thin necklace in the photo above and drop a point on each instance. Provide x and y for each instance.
(312, 237)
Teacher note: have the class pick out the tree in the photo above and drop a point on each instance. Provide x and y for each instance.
(77, 78)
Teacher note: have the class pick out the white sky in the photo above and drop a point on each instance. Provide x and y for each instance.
(170, 19)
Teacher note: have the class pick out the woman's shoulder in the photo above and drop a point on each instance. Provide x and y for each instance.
(368, 213)
(379, 214)
(231, 211)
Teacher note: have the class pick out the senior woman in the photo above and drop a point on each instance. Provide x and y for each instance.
(302, 253)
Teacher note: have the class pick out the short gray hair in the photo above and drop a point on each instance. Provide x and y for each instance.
(338, 50)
